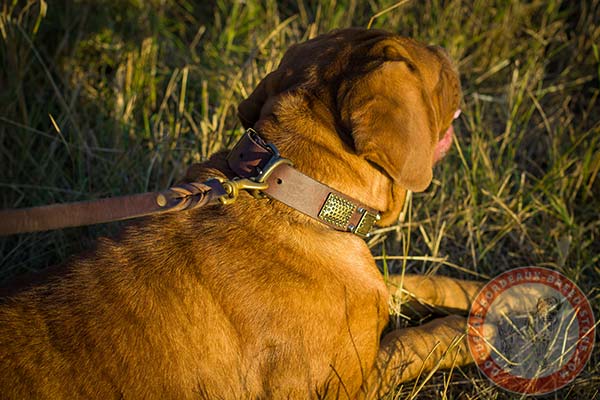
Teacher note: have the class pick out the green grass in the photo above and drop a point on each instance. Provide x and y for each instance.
(102, 98)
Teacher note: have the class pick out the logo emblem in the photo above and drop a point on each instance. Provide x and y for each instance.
(531, 330)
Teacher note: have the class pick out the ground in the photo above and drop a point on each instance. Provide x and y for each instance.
(102, 98)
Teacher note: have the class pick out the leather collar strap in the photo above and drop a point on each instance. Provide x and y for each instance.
(251, 158)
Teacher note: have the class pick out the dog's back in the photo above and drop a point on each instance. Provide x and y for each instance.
(169, 311)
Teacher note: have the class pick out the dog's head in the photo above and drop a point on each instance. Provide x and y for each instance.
(391, 99)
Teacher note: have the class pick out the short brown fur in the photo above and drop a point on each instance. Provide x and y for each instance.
(253, 299)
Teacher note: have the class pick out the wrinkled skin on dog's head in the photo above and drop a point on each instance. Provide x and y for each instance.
(391, 99)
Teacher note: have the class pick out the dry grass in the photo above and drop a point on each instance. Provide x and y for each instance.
(104, 98)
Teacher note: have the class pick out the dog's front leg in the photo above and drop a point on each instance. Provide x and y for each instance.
(410, 353)
(419, 294)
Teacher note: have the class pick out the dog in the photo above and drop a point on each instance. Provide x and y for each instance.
(256, 299)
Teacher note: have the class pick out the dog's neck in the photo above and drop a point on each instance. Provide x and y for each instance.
(257, 162)
(307, 133)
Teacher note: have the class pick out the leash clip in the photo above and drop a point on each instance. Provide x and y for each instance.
(254, 185)
(233, 186)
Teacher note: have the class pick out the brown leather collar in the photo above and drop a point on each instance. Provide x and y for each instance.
(255, 159)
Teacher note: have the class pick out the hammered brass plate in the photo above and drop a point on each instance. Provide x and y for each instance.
(337, 211)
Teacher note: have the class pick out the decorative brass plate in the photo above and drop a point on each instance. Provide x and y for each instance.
(337, 211)
(365, 224)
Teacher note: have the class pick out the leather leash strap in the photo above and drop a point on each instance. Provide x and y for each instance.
(57, 216)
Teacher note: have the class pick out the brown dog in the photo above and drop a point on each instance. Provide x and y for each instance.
(255, 299)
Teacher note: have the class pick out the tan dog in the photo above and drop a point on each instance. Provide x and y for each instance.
(255, 299)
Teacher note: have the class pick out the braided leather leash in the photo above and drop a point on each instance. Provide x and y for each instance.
(55, 216)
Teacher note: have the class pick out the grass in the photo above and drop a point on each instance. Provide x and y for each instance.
(102, 98)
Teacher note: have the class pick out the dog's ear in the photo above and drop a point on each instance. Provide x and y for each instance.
(393, 123)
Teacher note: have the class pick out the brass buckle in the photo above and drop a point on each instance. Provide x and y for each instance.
(263, 174)
(364, 226)
(254, 185)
